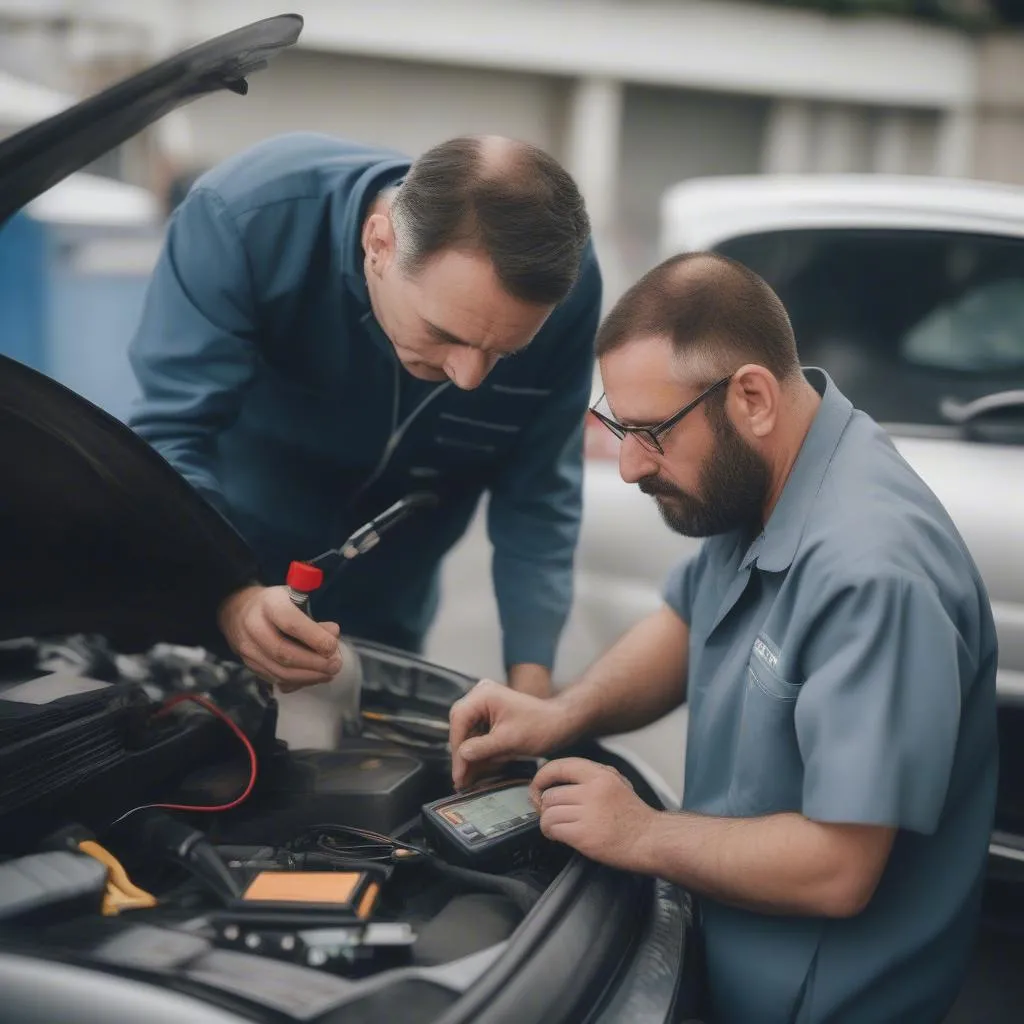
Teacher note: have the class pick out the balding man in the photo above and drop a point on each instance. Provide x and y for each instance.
(836, 647)
(331, 327)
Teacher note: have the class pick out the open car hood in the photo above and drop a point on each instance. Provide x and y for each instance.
(97, 532)
(36, 158)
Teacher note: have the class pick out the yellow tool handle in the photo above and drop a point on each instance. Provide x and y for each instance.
(121, 892)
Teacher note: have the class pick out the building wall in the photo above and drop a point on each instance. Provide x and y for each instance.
(405, 105)
(807, 137)
(999, 130)
(999, 147)
(669, 135)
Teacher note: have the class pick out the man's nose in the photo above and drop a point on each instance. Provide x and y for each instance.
(635, 461)
(467, 367)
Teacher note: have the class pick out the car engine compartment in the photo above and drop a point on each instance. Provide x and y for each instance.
(153, 826)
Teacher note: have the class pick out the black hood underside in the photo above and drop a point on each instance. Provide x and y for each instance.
(35, 159)
(98, 534)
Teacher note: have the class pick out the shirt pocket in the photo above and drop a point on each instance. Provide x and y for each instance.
(767, 773)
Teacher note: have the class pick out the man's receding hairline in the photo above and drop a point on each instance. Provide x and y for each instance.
(500, 158)
(709, 305)
(698, 366)
(696, 272)
(497, 159)
(507, 197)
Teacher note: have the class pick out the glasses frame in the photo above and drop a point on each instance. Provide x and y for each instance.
(650, 437)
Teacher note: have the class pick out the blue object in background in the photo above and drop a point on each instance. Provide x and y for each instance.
(23, 290)
(93, 315)
(74, 267)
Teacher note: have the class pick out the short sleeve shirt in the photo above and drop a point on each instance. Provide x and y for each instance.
(842, 666)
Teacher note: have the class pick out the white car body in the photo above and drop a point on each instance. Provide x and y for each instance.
(626, 552)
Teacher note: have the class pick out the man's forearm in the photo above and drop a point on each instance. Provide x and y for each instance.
(780, 864)
(639, 680)
(530, 678)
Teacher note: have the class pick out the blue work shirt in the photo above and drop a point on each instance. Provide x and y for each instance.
(842, 666)
(267, 382)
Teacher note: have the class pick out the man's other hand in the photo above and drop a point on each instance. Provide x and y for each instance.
(593, 809)
(277, 641)
(493, 724)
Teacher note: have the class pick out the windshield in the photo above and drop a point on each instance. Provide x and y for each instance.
(902, 320)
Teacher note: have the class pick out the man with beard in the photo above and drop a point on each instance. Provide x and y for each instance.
(836, 648)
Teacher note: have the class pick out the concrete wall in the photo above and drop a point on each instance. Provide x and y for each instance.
(712, 45)
(999, 120)
(669, 135)
(405, 105)
(808, 137)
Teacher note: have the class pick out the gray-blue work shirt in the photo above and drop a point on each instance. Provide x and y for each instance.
(842, 666)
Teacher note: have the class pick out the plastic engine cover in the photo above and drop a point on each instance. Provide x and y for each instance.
(368, 784)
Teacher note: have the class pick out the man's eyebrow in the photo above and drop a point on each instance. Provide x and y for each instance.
(633, 424)
(640, 424)
(444, 335)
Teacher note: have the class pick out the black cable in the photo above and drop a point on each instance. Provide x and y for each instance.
(346, 844)
(166, 838)
(519, 891)
(366, 846)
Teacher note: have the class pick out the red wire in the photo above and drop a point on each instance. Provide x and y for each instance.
(253, 765)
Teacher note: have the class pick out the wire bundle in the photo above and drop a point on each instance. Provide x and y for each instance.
(347, 845)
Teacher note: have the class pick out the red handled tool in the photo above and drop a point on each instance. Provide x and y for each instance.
(305, 577)
(302, 580)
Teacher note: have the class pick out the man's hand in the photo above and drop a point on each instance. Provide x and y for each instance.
(277, 641)
(493, 724)
(593, 809)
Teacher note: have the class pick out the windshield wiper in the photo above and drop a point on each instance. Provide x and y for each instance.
(996, 404)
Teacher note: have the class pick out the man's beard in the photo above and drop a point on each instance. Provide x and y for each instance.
(733, 483)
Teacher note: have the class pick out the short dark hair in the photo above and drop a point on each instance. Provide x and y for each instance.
(709, 306)
(524, 211)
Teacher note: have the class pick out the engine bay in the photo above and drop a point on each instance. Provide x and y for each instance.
(152, 824)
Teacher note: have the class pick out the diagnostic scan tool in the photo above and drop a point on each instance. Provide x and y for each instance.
(490, 828)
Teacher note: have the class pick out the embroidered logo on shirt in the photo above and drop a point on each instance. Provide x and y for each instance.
(765, 653)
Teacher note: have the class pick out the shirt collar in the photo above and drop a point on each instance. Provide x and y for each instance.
(347, 218)
(775, 548)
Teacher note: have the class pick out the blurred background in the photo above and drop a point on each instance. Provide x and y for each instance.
(634, 96)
